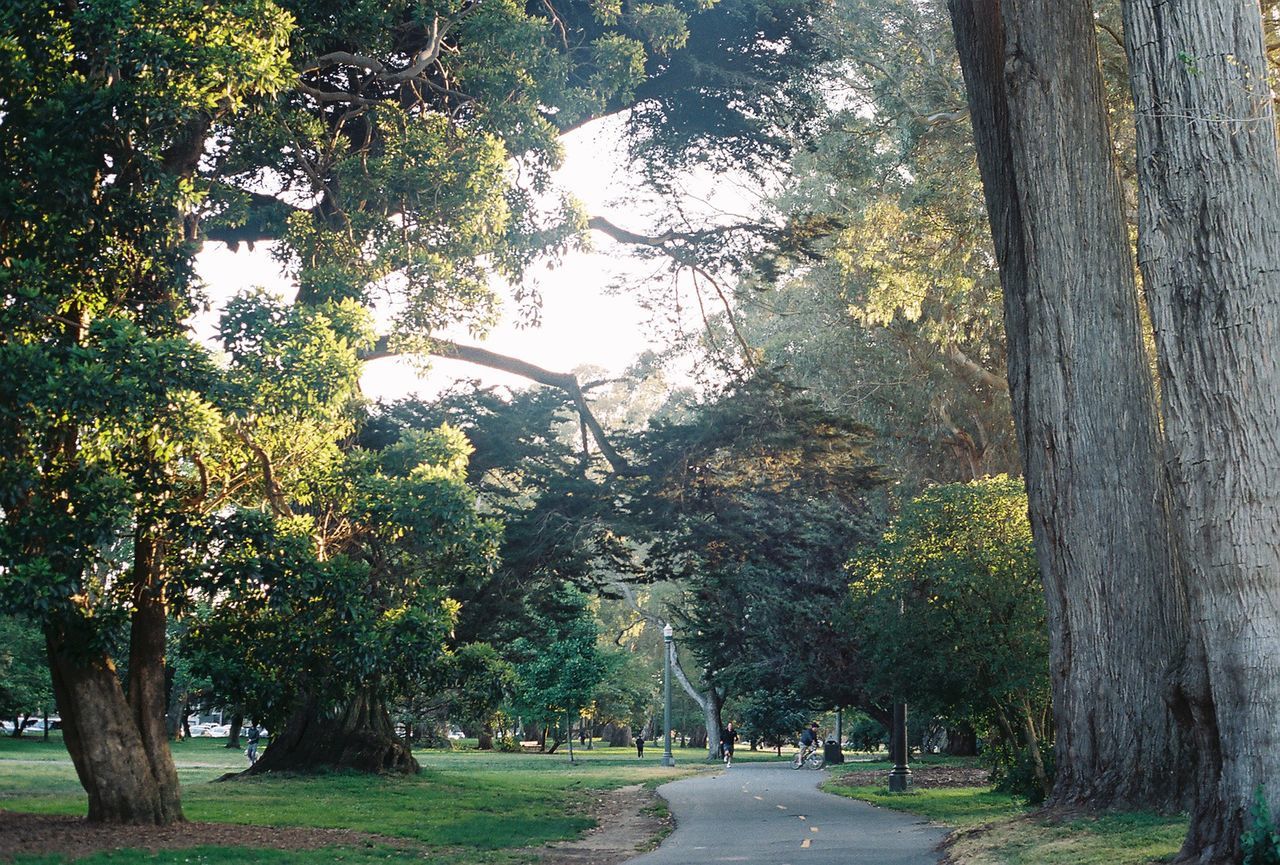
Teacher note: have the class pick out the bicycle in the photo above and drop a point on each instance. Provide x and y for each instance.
(811, 757)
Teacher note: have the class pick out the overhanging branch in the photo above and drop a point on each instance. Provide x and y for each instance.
(629, 598)
(566, 381)
(657, 241)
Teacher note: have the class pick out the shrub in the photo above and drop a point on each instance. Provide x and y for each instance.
(1261, 843)
(1012, 771)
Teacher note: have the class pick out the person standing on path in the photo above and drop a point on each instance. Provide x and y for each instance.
(727, 738)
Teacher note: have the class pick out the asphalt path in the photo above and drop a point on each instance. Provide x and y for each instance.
(771, 814)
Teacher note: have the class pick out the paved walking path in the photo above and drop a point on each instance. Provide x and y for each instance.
(769, 814)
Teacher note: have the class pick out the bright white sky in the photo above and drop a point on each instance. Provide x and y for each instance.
(581, 325)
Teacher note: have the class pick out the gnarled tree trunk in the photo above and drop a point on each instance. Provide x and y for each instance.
(361, 738)
(1083, 399)
(147, 643)
(102, 737)
(1209, 246)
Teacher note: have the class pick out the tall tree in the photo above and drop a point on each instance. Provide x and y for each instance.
(754, 502)
(1083, 398)
(132, 129)
(106, 106)
(1210, 217)
(882, 294)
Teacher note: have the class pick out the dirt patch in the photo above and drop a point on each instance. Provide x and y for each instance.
(75, 837)
(630, 820)
(922, 777)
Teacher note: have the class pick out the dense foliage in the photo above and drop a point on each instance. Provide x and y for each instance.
(955, 569)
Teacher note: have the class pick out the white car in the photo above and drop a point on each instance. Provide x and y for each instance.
(198, 730)
(218, 731)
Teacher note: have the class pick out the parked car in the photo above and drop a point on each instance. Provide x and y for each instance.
(220, 731)
(197, 729)
(36, 725)
(457, 734)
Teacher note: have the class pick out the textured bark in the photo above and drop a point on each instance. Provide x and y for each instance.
(105, 744)
(1209, 247)
(362, 738)
(233, 735)
(147, 692)
(1083, 400)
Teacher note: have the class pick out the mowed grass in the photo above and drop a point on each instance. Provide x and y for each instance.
(465, 806)
(957, 807)
(997, 829)
(1112, 839)
(257, 856)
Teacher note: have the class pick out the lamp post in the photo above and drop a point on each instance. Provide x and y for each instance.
(667, 634)
(900, 774)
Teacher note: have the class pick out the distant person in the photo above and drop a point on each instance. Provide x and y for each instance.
(640, 746)
(727, 737)
(252, 735)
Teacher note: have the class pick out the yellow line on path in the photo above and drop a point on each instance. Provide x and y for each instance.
(805, 844)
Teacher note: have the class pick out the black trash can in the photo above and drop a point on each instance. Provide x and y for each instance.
(831, 752)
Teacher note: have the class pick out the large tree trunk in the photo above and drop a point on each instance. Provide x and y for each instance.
(362, 738)
(1082, 398)
(711, 702)
(147, 643)
(100, 733)
(1209, 246)
(233, 735)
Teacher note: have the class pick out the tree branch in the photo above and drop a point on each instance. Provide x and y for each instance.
(421, 60)
(276, 496)
(657, 241)
(566, 381)
(629, 598)
(975, 371)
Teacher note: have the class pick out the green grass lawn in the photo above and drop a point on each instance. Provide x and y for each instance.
(483, 808)
(998, 829)
(465, 807)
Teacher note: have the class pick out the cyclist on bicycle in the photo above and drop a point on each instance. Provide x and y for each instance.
(808, 741)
